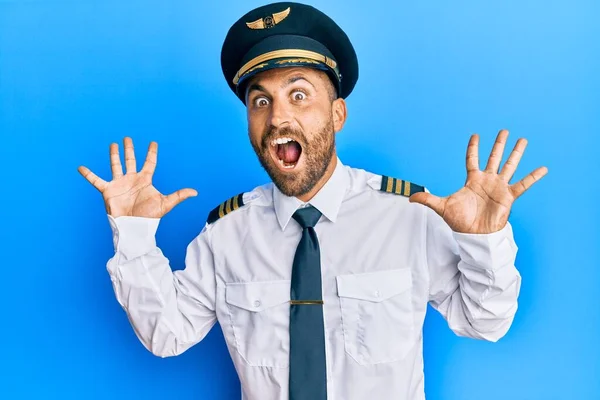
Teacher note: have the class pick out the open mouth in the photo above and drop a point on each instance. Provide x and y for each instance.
(286, 152)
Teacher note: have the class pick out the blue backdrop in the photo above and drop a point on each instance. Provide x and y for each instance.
(77, 75)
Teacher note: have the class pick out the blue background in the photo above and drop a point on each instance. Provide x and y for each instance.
(77, 75)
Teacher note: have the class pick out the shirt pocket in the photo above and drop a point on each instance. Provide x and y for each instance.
(377, 315)
(259, 314)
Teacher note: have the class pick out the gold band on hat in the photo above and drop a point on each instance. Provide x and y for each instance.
(281, 54)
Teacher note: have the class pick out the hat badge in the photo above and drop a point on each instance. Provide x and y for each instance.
(269, 21)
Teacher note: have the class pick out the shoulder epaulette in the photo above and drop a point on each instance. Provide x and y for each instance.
(225, 208)
(399, 186)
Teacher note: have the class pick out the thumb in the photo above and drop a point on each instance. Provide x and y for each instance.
(177, 197)
(429, 200)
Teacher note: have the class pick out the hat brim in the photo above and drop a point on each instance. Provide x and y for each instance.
(283, 62)
(280, 51)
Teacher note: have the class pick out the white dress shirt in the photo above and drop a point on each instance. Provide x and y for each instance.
(383, 260)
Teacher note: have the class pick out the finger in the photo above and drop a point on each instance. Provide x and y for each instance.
(129, 156)
(437, 204)
(509, 168)
(115, 161)
(497, 151)
(92, 178)
(520, 187)
(473, 154)
(150, 163)
(177, 197)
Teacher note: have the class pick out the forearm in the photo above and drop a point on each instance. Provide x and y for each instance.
(485, 300)
(168, 312)
(475, 283)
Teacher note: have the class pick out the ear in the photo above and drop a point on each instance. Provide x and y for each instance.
(339, 111)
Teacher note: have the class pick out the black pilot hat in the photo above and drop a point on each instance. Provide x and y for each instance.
(284, 35)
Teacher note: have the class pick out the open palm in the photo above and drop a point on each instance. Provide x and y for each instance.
(483, 204)
(132, 193)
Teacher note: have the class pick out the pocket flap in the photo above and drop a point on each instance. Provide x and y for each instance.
(374, 286)
(257, 296)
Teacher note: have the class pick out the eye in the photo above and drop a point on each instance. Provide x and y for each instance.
(298, 95)
(261, 102)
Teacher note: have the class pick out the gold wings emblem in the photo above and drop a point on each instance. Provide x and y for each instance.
(269, 21)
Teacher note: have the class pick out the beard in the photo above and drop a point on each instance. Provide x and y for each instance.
(317, 152)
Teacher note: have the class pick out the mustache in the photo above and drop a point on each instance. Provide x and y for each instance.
(287, 131)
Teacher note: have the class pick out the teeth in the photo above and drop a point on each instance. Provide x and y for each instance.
(280, 141)
(286, 166)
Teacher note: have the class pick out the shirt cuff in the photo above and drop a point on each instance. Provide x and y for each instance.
(490, 251)
(133, 236)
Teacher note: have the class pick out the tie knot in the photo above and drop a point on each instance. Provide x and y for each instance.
(307, 217)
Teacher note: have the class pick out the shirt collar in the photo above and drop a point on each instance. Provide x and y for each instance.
(328, 200)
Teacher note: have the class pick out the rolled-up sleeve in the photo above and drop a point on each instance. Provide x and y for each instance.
(474, 283)
(170, 311)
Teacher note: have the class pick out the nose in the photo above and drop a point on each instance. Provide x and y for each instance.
(280, 114)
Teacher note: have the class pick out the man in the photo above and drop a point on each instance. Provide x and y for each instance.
(320, 279)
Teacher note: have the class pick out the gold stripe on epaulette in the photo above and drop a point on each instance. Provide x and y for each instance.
(390, 185)
(398, 186)
(227, 206)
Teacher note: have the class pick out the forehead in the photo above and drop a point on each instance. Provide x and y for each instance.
(278, 76)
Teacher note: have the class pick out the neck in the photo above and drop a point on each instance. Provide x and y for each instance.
(328, 172)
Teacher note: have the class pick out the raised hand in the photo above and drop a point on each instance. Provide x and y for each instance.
(132, 193)
(483, 204)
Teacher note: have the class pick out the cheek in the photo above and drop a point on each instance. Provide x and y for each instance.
(313, 122)
(255, 138)
(255, 128)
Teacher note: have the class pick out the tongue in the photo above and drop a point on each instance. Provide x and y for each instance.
(289, 152)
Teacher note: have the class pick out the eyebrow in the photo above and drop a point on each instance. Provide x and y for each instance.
(296, 78)
(292, 79)
(255, 86)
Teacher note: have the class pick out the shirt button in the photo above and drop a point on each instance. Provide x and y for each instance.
(257, 303)
(376, 293)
